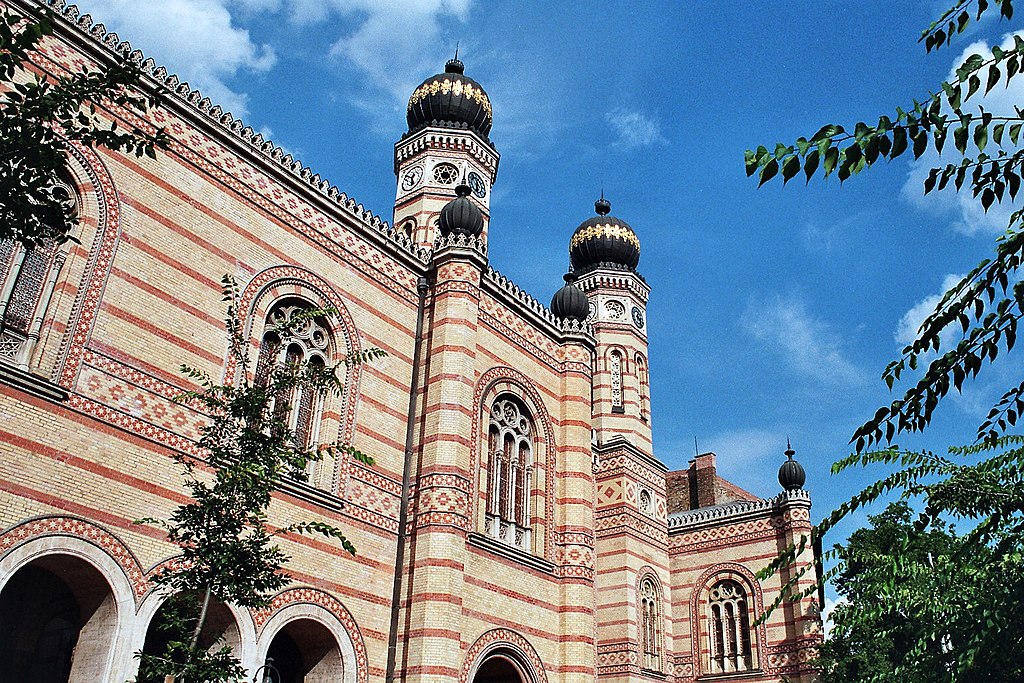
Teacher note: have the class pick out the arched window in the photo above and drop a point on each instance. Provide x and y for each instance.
(729, 620)
(509, 472)
(641, 373)
(27, 279)
(650, 634)
(615, 369)
(309, 341)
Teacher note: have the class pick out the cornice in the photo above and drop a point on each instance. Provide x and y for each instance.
(614, 279)
(620, 444)
(736, 511)
(189, 103)
(447, 139)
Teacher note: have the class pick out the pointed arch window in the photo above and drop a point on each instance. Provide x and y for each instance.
(615, 369)
(307, 342)
(510, 437)
(28, 275)
(729, 618)
(650, 634)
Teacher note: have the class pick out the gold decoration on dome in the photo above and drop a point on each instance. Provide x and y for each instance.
(455, 87)
(605, 230)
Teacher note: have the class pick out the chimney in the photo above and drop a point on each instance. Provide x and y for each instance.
(703, 481)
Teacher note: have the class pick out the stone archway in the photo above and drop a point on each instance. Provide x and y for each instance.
(304, 651)
(498, 669)
(220, 629)
(58, 622)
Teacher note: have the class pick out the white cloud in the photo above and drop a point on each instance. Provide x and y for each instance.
(634, 129)
(196, 39)
(809, 345)
(392, 44)
(967, 214)
(906, 330)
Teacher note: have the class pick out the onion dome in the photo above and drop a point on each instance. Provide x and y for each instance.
(461, 216)
(604, 240)
(791, 474)
(570, 301)
(450, 100)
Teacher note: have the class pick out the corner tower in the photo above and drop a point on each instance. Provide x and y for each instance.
(605, 252)
(449, 117)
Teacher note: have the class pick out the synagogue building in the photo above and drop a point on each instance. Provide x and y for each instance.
(517, 526)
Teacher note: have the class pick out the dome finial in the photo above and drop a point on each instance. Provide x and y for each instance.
(454, 66)
(602, 206)
(570, 302)
(791, 474)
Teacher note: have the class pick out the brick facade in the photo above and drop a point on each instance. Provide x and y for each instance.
(89, 427)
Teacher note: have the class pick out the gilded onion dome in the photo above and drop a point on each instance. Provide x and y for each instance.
(461, 216)
(791, 474)
(604, 240)
(570, 301)
(451, 100)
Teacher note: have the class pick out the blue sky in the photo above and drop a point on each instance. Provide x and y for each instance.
(774, 310)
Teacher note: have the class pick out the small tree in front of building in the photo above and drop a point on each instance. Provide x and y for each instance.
(228, 547)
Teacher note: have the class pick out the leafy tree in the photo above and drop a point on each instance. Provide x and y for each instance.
(228, 547)
(869, 638)
(982, 483)
(41, 116)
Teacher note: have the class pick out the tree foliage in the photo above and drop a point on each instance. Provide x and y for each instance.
(41, 116)
(965, 606)
(228, 546)
(910, 597)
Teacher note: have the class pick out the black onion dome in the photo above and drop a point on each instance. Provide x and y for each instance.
(570, 301)
(791, 474)
(461, 216)
(604, 240)
(450, 99)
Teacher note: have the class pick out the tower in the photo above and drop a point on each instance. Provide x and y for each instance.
(449, 118)
(605, 251)
(634, 607)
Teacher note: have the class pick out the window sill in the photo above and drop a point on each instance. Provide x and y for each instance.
(618, 410)
(653, 673)
(730, 675)
(510, 552)
(310, 494)
(32, 384)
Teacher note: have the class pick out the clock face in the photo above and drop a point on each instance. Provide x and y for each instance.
(638, 317)
(412, 178)
(476, 183)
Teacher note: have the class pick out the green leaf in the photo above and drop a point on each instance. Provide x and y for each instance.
(790, 168)
(981, 136)
(811, 164)
(831, 158)
(899, 142)
(993, 78)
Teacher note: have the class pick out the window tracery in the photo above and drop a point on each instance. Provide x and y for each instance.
(306, 341)
(510, 437)
(445, 174)
(28, 275)
(649, 631)
(615, 367)
(729, 619)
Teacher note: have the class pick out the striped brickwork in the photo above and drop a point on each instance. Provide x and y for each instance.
(89, 427)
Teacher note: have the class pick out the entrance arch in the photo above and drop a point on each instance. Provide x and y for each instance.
(502, 656)
(498, 669)
(58, 622)
(305, 651)
(219, 629)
